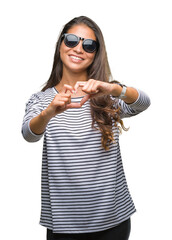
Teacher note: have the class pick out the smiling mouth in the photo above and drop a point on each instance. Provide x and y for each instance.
(76, 58)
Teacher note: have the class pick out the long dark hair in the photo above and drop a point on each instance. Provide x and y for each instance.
(102, 108)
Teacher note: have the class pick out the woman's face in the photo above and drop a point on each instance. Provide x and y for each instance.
(76, 59)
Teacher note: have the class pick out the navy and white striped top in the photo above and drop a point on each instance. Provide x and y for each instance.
(84, 187)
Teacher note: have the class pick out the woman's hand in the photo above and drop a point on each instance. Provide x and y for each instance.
(61, 102)
(95, 88)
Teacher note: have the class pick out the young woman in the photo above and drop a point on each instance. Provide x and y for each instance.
(80, 112)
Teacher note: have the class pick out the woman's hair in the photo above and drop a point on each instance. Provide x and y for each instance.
(104, 116)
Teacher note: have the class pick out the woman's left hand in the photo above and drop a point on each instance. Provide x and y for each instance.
(94, 88)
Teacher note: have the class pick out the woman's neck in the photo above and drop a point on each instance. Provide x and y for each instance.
(71, 79)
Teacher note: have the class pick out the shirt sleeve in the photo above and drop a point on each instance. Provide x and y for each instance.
(33, 108)
(140, 105)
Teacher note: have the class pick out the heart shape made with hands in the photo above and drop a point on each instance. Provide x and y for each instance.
(86, 87)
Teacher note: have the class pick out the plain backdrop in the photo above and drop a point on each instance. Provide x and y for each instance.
(138, 36)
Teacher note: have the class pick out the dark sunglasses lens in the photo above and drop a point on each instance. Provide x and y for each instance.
(71, 40)
(89, 45)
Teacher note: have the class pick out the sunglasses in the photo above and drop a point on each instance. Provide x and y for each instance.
(71, 40)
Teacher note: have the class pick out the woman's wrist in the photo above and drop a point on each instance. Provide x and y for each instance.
(116, 90)
(39, 123)
(131, 94)
(45, 115)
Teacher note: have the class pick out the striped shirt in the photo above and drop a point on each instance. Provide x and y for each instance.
(83, 188)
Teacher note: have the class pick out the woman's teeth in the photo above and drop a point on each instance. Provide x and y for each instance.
(77, 58)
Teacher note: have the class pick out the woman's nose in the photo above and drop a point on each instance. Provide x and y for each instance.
(79, 48)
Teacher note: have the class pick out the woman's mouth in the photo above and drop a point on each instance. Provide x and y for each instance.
(76, 58)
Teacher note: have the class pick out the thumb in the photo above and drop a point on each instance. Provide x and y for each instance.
(84, 99)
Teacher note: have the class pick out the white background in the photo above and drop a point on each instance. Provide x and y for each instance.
(139, 45)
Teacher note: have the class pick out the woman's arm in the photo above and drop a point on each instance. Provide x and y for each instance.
(38, 124)
(131, 94)
(96, 88)
(37, 118)
(135, 101)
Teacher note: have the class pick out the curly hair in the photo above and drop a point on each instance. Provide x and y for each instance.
(104, 115)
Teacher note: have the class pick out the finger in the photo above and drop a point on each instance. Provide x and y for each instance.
(63, 97)
(94, 91)
(61, 104)
(66, 88)
(95, 87)
(73, 105)
(88, 85)
(91, 87)
(79, 84)
(66, 100)
(85, 99)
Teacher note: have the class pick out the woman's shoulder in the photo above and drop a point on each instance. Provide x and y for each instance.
(49, 92)
(42, 96)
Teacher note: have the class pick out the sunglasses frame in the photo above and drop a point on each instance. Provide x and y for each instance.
(78, 40)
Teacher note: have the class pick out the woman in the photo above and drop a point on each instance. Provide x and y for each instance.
(79, 112)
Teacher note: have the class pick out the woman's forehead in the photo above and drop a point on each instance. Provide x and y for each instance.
(83, 31)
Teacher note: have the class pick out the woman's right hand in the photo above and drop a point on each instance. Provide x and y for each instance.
(61, 102)
(58, 105)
